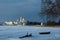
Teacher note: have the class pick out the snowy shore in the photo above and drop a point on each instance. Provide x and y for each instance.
(14, 32)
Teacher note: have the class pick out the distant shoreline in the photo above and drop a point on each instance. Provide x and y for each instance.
(56, 26)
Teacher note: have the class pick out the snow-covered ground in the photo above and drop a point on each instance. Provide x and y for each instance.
(14, 32)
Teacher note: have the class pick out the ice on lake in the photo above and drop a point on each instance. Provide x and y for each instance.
(14, 32)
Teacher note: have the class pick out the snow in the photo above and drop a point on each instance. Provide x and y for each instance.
(14, 32)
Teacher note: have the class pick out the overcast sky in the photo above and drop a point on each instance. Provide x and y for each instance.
(13, 9)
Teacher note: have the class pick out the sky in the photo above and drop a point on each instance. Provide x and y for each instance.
(12, 9)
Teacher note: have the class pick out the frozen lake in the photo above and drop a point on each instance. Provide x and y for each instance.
(13, 32)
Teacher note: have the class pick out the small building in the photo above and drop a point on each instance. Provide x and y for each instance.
(22, 21)
(8, 23)
(15, 23)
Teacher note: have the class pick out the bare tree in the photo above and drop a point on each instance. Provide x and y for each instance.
(49, 10)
